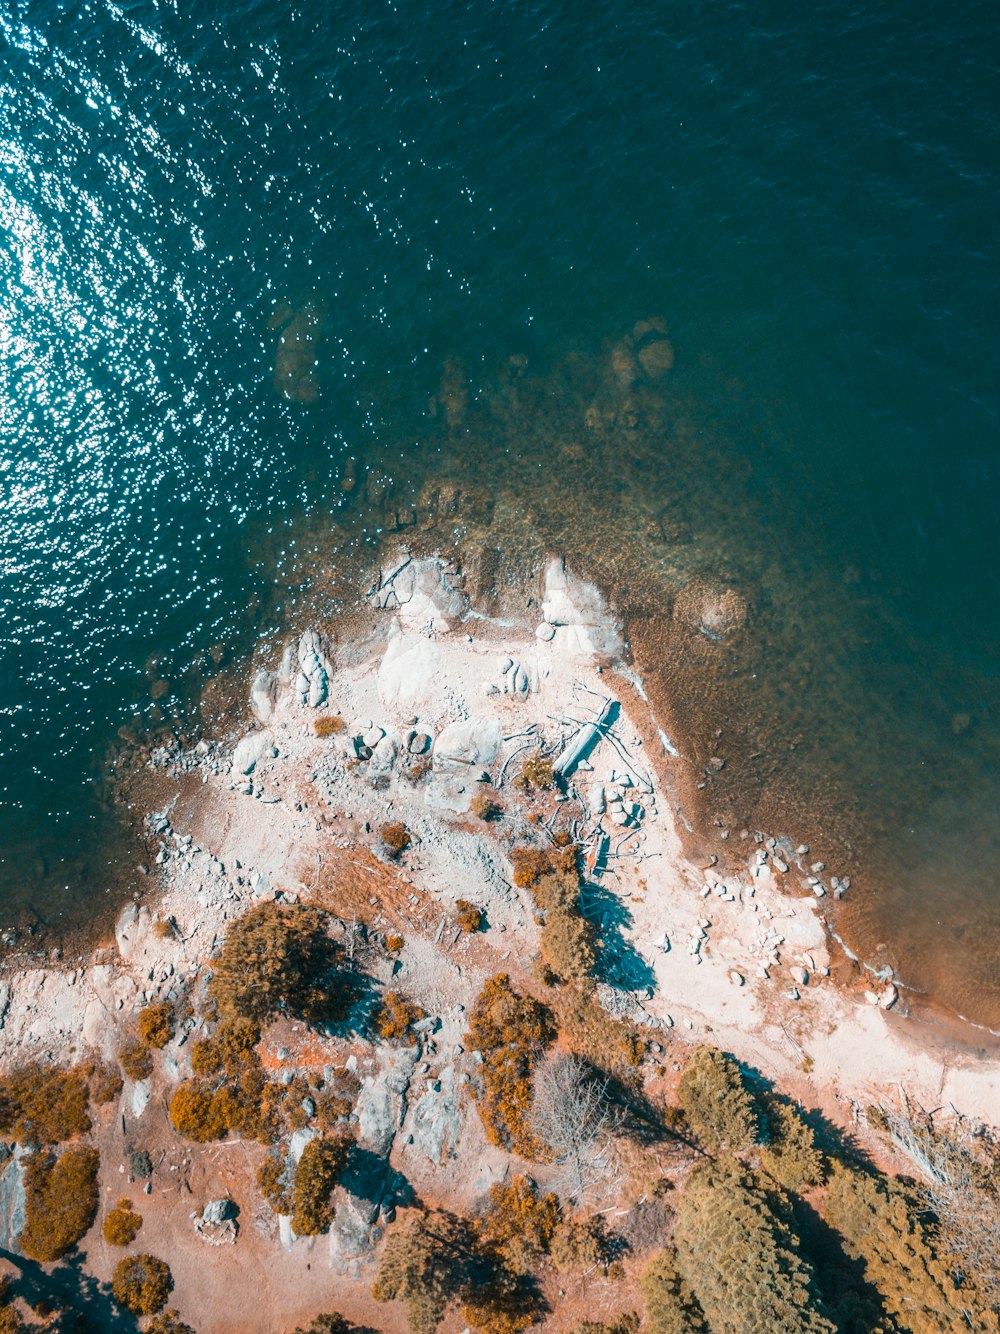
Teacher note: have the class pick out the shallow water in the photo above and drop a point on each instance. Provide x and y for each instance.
(807, 200)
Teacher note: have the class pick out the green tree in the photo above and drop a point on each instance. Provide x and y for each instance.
(141, 1284)
(424, 1265)
(790, 1155)
(316, 1174)
(882, 1226)
(670, 1305)
(740, 1256)
(717, 1105)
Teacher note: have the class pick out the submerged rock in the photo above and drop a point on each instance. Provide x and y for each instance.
(714, 611)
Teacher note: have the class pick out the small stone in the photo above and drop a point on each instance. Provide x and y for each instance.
(737, 979)
(545, 632)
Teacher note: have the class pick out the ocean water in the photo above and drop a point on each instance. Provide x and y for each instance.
(394, 201)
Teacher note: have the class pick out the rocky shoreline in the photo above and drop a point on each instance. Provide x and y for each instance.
(422, 712)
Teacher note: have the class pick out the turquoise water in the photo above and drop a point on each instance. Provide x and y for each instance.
(809, 200)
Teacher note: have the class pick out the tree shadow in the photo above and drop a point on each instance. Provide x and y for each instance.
(86, 1305)
(371, 1178)
(619, 963)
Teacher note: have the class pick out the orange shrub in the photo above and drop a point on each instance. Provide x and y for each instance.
(317, 1173)
(331, 724)
(394, 943)
(468, 916)
(122, 1224)
(395, 838)
(536, 772)
(60, 1202)
(484, 806)
(518, 1223)
(201, 1114)
(136, 1060)
(510, 1032)
(396, 1016)
(141, 1284)
(156, 1025)
(40, 1105)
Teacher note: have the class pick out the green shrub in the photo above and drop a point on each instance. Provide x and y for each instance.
(535, 772)
(141, 1284)
(396, 1016)
(168, 1322)
(395, 839)
(580, 1244)
(671, 1307)
(43, 1105)
(719, 1109)
(61, 1200)
(424, 1265)
(790, 1155)
(568, 949)
(884, 1227)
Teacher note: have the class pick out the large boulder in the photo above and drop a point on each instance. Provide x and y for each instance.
(578, 607)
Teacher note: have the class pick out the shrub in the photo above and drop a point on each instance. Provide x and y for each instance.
(581, 1243)
(424, 1265)
(201, 1114)
(717, 1105)
(272, 1178)
(394, 943)
(141, 1284)
(568, 948)
(122, 1224)
(40, 1105)
(136, 1060)
(511, 1033)
(61, 1201)
(723, 1214)
(330, 1323)
(484, 806)
(536, 772)
(396, 1016)
(105, 1082)
(468, 916)
(279, 960)
(531, 864)
(628, 1323)
(395, 839)
(317, 1173)
(501, 1304)
(156, 1025)
(230, 1051)
(165, 928)
(331, 724)
(168, 1322)
(518, 1223)
(670, 1305)
(790, 1155)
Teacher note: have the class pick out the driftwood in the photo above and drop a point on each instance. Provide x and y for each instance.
(580, 746)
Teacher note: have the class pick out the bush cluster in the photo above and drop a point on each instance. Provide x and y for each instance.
(61, 1199)
(156, 1024)
(518, 1223)
(141, 1284)
(581, 1243)
(121, 1226)
(468, 916)
(43, 1105)
(396, 1016)
(317, 1172)
(279, 959)
(531, 864)
(511, 1033)
(535, 772)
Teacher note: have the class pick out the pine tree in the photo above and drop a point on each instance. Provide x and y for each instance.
(717, 1105)
(740, 1257)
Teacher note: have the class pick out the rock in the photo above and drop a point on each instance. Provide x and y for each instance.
(579, 606)
(545, 632)
(218, 1211)
(714, 611)
(889, 997)
(656, 354)
(737, 979)
(800, 976)
(419, 743)
(263, 695)
(473, 743)
(373, 736)
(251, 750)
